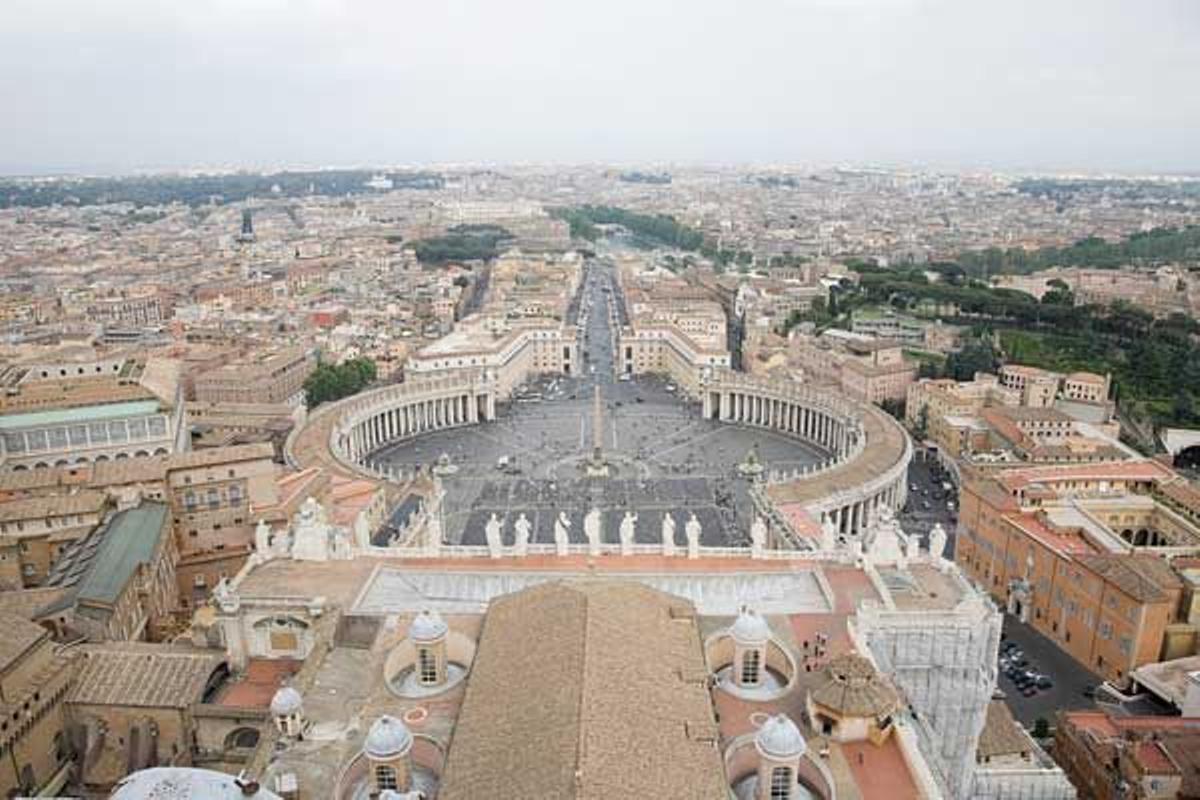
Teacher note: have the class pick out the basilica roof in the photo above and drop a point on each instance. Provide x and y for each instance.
(587, 690)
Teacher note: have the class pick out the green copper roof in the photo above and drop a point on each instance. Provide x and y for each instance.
(68, 416)
(130, 540)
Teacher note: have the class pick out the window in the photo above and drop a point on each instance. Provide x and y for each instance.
(385, 778)
(427, 664)
(750, 667)
(235, 495)
(189, 500)
(214, 499)
(781, 783)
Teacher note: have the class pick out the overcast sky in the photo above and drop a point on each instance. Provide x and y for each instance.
(119, 85)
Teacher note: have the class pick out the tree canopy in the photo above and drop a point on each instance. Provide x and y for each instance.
(649, 230)
(330, 382)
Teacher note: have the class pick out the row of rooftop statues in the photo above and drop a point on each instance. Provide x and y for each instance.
(592, 529)
(885, 541)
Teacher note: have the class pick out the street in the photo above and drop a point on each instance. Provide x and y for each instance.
(1069, 677)
(928, 502)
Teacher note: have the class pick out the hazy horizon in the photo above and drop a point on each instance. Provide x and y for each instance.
(131, 86)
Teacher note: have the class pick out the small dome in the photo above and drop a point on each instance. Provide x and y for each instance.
(750, 628)
(428, 626)
(286, 702)
(852, 688)
(780, 738)
(388, 738)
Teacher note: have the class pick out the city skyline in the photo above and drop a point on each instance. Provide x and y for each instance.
(222, 85)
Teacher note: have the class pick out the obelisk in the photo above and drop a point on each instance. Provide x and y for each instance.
(596, 465)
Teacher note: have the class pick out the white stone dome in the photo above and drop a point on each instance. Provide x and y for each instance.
(780, 738)
(184, 783)
(750, 628)
(286, 702)
(388, 738)
(428, 626)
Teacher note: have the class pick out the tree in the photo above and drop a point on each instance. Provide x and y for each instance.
(1183, 407)
(329, 382)
(1041, 728)
(922, 427)
(975, 356)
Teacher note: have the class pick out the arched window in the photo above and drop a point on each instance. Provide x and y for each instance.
(242, 738)
(385, 778)
(781, 783)
(427, 665)
(750, 667)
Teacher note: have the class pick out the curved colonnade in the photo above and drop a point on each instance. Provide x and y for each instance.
(869, 452)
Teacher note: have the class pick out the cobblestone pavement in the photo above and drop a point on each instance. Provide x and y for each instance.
(663, 457)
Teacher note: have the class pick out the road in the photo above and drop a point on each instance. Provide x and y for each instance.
(925, 488)
(1069, 676)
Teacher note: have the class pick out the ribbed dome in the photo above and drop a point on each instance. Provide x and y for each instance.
(780, 738)
(852, 688)
(428, 626)
(388, 738)
(286, 702)
(750, 628)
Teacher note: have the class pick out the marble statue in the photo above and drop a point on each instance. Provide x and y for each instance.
(692, 530)
(226, 599)
(937, 541)
(521, 529)
(311, 533)
(591, 529)
(491, 532)
(628, 531)
(562, 533)
(758, 535)
(888, 545)
(668, 532)
(262, 538)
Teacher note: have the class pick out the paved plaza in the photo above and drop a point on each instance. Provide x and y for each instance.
(663, 457)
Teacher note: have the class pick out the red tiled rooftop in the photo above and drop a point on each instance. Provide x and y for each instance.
(259, 683)
(1014, 479)
(1059, 542)
(1154, 760)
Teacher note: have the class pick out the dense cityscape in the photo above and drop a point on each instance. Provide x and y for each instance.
(805, 483)
(789, 400)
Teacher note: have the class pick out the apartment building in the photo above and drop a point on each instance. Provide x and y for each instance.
(34, 531)
(1117, 757)
(868, 369)
(1077, 552)
(510, 353)
(35, 676)
(214, 496)
(265, 377)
